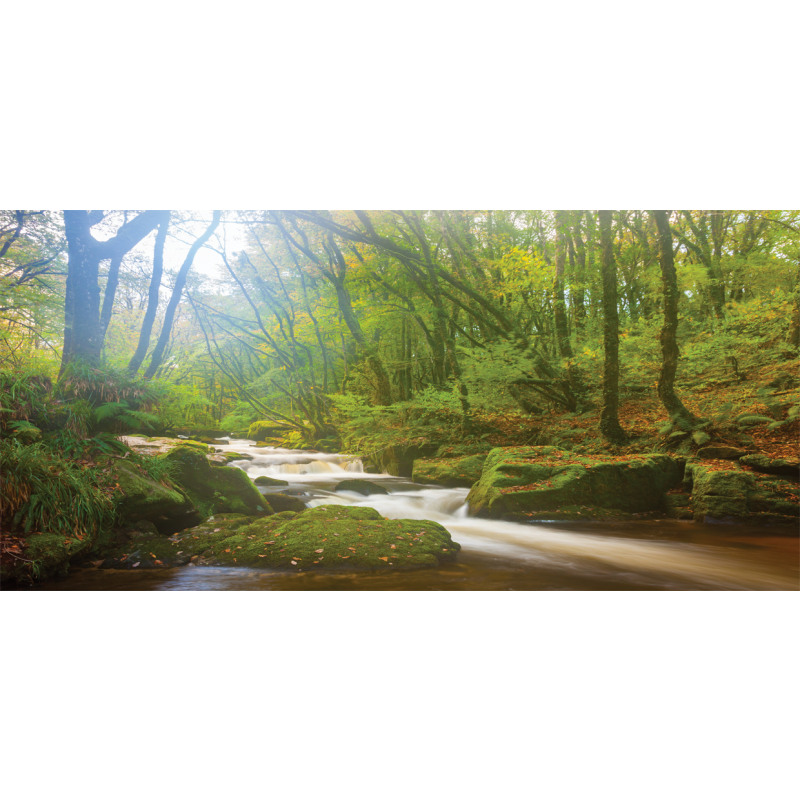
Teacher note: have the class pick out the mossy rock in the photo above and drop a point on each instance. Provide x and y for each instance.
(721, 452)
(142, 498)
(772, 466)
(463, 450)
(449, 471)
(265, 480)
(47, 555)
(738, 495)
(285, 502)
(265, 429)
(216, 489)
(229, 456)
(323, 538)
(399, 459)
(360, 486)
(542, 482)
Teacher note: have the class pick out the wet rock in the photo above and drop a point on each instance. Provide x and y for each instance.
(772, 466)
(738, 495)
(321, 538)
(215, 489)
(143, 499)
(265, 480)
(549, 483)
(721, 452)
(449, 471)
(285, 502)
(266, 429)
(361, 486)
(399, 459)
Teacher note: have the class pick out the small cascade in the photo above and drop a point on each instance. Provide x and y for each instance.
(532, 546)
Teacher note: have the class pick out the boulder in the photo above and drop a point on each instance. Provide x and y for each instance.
(449, 471)
(285, 502)
(721, 452)
(772, 466)
(142, 498)
(738, 495)
(215, 489)
(360, 486)
(266, 429)
(548, 483)
(265, 480)
(322, 538)
(399, 459)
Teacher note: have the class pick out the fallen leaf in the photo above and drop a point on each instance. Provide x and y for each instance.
(383, 558)
(319, 551)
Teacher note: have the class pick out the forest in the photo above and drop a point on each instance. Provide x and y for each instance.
(579, 365)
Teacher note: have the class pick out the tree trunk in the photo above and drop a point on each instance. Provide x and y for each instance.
(177, 291)
(152, 299)
(83, 329)
(669, 345)
(609, 416)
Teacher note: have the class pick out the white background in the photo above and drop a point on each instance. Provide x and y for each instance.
(405, 695)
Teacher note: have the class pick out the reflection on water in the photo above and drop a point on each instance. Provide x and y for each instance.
(495, 555)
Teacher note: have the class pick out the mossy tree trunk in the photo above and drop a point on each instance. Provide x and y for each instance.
(609, 416)
(679, 414)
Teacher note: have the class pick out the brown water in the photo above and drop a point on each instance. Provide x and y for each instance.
(495, 555)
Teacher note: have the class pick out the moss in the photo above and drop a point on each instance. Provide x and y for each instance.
(525, 482)
(736, 494)
(142, 498)
(285, 502)
(265, 480)
(265, 429)
(360, 486)
(326, 537)
(218, 489)
(449, 471)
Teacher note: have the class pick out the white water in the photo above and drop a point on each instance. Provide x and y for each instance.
(315, 475)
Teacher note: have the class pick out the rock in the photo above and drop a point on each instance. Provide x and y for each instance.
(737, 495)
(548, 483)
(229, 456)
(361, 486)
(215, 489)
(142, 498)
(285, 502)
(266, 429)
(265, 480)
(721, 452)
(399, 459)
(155, 445)
(772, 466)
(449, 471)
(322, 538)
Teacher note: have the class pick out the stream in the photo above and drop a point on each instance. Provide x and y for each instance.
(495, 555)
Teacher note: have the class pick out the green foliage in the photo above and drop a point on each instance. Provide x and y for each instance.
(42, 492)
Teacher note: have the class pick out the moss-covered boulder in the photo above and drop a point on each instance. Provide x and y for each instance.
(360, 486)
(226, 456)
(265, 480)
(322, 538)
(399, 459)
(449, 471)
(215, 489)
(266, 429)
(772, 466)
(548, 483)
(142, 498)
(738, 495)
(285, 502)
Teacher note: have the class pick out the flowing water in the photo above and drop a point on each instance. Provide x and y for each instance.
(647, 555)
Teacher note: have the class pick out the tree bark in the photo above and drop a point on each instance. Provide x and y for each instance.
(152, 299)
(177, 291)
(609, 416)
(678, 413)
(83, 329)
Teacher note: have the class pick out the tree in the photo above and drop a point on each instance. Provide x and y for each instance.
(609, 416)
(83, 328)
(679, 414)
